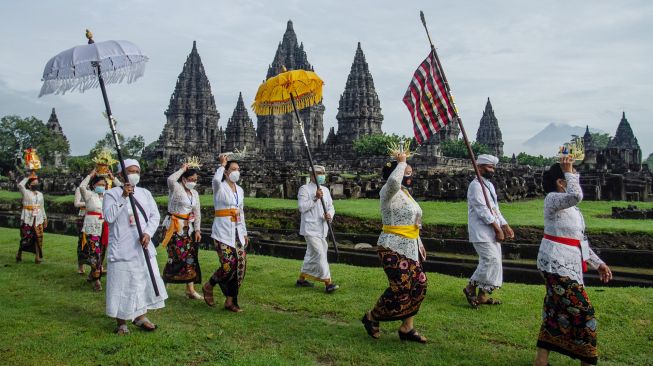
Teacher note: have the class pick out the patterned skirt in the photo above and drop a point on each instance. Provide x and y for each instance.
(233, 265)
(31, 239)
(183, 264)
(407, 287)
(568, 325)
(92, 253)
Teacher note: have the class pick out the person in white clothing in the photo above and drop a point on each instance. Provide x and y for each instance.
(182, 235)
(33, 219)
(487, 228)
(95, 232)
(130, 293)
(81, 205)
(314, 228)
(229, 235)
(568, 322)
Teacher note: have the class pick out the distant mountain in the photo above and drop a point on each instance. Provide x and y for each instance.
(553, 135)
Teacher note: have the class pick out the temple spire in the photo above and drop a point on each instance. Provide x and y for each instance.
(359, 110)
(624, 138)
(489, 133)
(240, 133)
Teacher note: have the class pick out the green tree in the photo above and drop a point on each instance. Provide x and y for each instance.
(457, 148)
(526, 159)
(649, 161)
(80, 164)
(131, 147)
(600, 140)
(376, 144)
(18, 134)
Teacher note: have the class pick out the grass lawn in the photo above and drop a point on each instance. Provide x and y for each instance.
(521, 213)
(50, 316)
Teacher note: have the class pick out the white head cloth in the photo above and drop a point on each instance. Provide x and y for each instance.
(131, 162)
(486, 159)
(320, 169)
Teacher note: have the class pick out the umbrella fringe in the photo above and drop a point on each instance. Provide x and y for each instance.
(275, 108)
(60, 84)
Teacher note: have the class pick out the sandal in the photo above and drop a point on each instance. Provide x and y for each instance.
(121, 330)
(303, 283)
(193, 295)
(471, 299)
(491, 301)
(331, 288)
(208, 295)
(142, 324)
(412, 336)
(233, 308)
(370, 326)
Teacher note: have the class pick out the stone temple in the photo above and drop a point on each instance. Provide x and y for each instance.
(54, 126)
(240, 133)
(191, 118)
(489, 133)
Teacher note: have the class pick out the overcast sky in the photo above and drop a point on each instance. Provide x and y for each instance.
(579, 62)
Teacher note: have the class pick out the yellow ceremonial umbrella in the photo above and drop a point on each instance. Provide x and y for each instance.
(288, 92)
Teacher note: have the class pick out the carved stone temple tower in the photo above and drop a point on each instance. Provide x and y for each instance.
(359, 110)
(191, 118)
(623, 152)
(54, 126)
(279, 137)
(489, 133)
(240, 133)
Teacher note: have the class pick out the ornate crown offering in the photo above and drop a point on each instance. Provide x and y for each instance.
(193, 162)
(237, 154)
(32, 161)
(574, 148)
(104, 161)
(403, 146)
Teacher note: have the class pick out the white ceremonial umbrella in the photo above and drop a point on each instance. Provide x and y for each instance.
(92, 65)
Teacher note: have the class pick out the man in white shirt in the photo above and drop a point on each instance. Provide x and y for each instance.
(487, 228)
(130, 293)
(314, 228)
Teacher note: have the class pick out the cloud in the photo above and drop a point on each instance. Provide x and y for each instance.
(539, 63)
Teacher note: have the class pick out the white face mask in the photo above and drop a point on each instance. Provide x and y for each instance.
(234, 176)
(133, 179)
(190, 185)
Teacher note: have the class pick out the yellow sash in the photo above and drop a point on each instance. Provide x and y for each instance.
(228, 212)
(407, 231)
(174, 227)
(31, 207)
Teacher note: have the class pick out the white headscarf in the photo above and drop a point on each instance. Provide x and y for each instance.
(131, 162)
(320, 169)
(486, 159)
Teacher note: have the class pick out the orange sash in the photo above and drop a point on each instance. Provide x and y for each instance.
(174, 227)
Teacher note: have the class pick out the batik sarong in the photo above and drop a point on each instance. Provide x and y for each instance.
(230, 274)
(407, 288)
(92, 254)
(31, 239)
(568, 323)
(183, 264)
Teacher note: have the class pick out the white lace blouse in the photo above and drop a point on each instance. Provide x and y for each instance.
(33, 212)
(92, 222)
(180, 202)
(563, 219)
(399, 208)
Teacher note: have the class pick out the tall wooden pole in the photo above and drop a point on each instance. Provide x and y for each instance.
(440, 71)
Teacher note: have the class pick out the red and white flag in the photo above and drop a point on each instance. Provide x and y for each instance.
(428, 101)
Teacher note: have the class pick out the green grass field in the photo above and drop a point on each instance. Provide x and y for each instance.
(50, 316)
(522, 213)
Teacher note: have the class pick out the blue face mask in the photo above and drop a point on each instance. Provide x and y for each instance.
(99, 190)
(321, 179)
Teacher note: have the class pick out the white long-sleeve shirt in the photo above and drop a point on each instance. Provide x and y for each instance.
(93, 201)
(398, 208)
(180, 202)
(35, 216)
(79, 202)
(479, 216)
(313, 222)
(562, 218)
(224, 229)
(124, 244)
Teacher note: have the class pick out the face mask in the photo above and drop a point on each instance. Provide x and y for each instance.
(134, 178)
(99, 190)
(488, 175)
(321, 179)
(407, 181)
(234, 176)
(190, 185)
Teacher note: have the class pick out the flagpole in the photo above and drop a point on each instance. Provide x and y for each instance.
(440, 70)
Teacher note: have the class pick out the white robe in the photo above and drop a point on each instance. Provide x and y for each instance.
(129, 288)
(314, 228)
